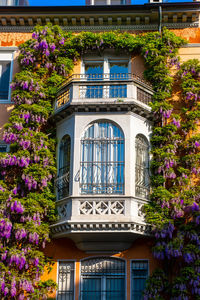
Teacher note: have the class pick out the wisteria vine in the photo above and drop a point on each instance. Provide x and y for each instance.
(26, 193)
(174, 209)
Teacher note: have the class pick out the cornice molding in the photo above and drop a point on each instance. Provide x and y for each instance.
(104, 28)
(102, 18)
(73, 227)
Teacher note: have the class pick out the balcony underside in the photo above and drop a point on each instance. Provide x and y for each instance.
(101, 237)
(130, 105)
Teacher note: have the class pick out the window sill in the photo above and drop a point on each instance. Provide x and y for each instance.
(2, 101)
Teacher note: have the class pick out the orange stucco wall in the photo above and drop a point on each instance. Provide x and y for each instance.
(192, 35)
(65, 249)
(13, 39)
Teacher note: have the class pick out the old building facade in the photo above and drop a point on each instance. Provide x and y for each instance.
(101, 244)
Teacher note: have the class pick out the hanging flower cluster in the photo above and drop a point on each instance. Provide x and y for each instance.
(26, 193)
(174, 209)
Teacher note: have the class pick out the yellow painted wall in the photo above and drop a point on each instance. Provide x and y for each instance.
(189, 53)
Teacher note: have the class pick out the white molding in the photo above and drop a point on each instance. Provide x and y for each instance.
(8, 55)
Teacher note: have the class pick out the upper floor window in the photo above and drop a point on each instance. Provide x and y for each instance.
(4, 79)
(142, 180)
(102, 159)
(103, 278)
(118, 69)
(94, 70)
(105, 72)
(6, 58)
(107, 67)
(62, 182)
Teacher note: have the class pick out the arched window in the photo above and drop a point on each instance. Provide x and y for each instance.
(142, 181)
(102, 162)
(103, 278)
(62, 182)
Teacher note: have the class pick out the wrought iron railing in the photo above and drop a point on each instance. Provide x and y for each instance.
(62, 183)
(143, 96)
(142, 182)
(106, 76)
(103, 86)
(102, 178)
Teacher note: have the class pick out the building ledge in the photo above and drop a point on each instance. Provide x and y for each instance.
(97, 236)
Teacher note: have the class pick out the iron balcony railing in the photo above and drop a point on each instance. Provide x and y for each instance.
(106, 76)
(104, 86)
(102, 177)
(62, 182)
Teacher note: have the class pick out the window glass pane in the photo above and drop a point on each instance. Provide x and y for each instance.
(66, 281)
(118, 70)
(4, 79)
(139, 277)
(102, 165)
(103, 278)
(62, 181)
(64, 156)
(94, 71)
(115, 288)
(118, 91)
(142, 180)
(94, 91)
(91, 288)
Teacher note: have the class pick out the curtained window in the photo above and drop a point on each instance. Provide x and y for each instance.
(142, 180)
(103, 279)
(102, 162)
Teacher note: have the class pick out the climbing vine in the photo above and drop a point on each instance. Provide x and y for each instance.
(174, 208)
(27, 201)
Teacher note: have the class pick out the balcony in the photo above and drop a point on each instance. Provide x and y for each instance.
(120, 88)
(89, 220)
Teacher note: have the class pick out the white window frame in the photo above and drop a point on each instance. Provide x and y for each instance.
(66, 261)
(106, 60)
(7, 55)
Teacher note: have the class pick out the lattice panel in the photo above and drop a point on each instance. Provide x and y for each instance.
(103, 207)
